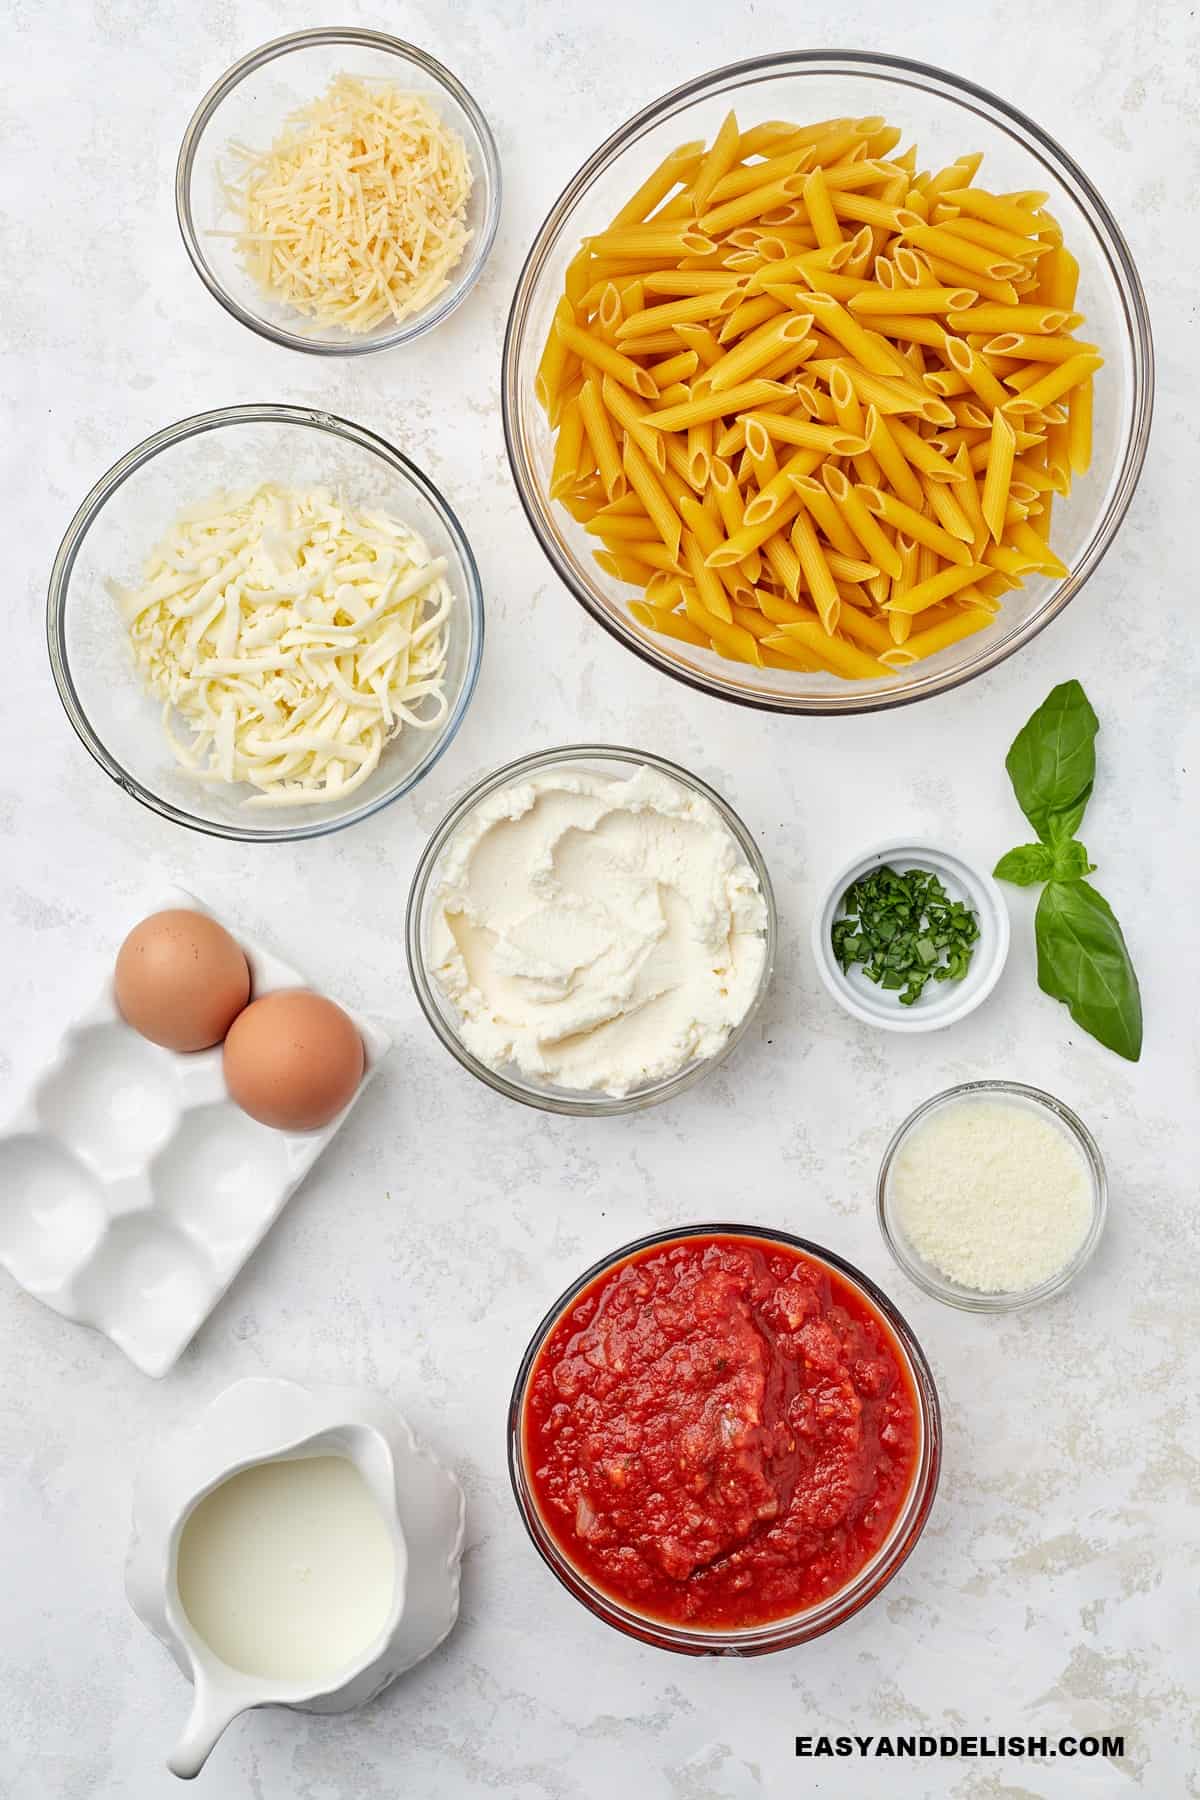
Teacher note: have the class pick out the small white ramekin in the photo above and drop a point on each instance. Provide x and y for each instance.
(941, 1002)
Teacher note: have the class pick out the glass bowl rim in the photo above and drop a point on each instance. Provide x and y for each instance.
(797, 1628)
(906, 72)
(562, 1101)
(89, 510)
(477, 254)
(923, 1275)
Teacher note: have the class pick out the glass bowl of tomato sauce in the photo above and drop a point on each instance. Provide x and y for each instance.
(724, 1440)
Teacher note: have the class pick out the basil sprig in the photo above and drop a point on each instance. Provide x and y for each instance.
(1082, 957)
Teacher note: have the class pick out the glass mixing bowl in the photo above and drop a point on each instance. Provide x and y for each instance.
(126, 514)
(439, 1009)
(249, 105)
(813, 1621)
(946, 116)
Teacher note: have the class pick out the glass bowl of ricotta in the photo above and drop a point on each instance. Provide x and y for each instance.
(992, 1196)
(591, 930)
(265, 623)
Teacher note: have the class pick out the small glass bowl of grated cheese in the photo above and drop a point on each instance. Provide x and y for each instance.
(992, 1196)
(265, 623)
(338, 191)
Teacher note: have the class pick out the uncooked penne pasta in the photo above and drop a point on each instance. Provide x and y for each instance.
(815, 405)
(1001, 451)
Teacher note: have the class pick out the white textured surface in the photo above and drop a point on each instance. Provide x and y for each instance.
(1051, 1590)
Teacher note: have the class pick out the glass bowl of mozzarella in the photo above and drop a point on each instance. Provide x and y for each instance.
(265, 623)
(591, 930)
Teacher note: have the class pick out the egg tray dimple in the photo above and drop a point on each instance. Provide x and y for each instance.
(132, 1188)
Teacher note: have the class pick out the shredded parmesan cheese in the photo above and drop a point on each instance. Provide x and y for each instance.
(294, 638)
(356, 214)
(993, 1194)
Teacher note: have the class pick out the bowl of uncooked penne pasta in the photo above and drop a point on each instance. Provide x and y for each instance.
(827, 382)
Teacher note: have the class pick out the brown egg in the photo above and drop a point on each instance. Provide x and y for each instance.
(293, 1060)
(181, 980)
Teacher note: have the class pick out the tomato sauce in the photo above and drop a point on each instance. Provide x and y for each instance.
(720, 1432)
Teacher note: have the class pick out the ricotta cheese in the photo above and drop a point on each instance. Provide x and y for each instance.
(598, 932)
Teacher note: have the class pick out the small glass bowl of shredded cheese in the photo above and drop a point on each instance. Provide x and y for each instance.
(338, 191)
(265, 623)
(992, 1196)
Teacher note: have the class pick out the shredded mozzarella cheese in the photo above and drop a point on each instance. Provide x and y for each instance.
(293, 636)
(356, 215)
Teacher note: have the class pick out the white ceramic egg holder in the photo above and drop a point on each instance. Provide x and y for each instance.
(132, 1188)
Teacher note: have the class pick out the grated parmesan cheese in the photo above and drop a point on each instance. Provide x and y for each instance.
(993, 1194)
(356, 215)
(293, 636)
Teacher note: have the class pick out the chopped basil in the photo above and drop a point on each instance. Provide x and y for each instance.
(905, 930)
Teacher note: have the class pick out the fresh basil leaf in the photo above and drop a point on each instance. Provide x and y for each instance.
(1083, 961)
(1071, 861)
(1025, 865)
(1052, 762)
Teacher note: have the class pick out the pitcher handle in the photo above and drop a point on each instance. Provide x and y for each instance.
(211, 1713)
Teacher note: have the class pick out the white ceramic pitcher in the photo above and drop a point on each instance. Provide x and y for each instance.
(261, 1421)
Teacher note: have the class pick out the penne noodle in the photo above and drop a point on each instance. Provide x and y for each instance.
(763, 461)
(891, 301)
(751, 205)
(815, 194)
(657, 186)
(927, 593)
(651, 240)
(717, 161)
(816, 570)
(593, 350)
(940, 637)
(695, 411)
(878, 546)
(891, 458)
(913, 524)
(706, 581)
(757, 348)
(727, 639)
(1079, 428)
(668, 623)
(1009, 216)
(598, 430)
(567, 448)
(1058, 278)
(818, 502)
(1053, 385)
(806, 434)
(680, 367)
(645, 484)
(693, 309)
(1001, 453)
(1030, 318)
(752, 535)
(548, 381)
(844, 659)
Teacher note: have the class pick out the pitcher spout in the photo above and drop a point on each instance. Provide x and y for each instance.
(211, 1713)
